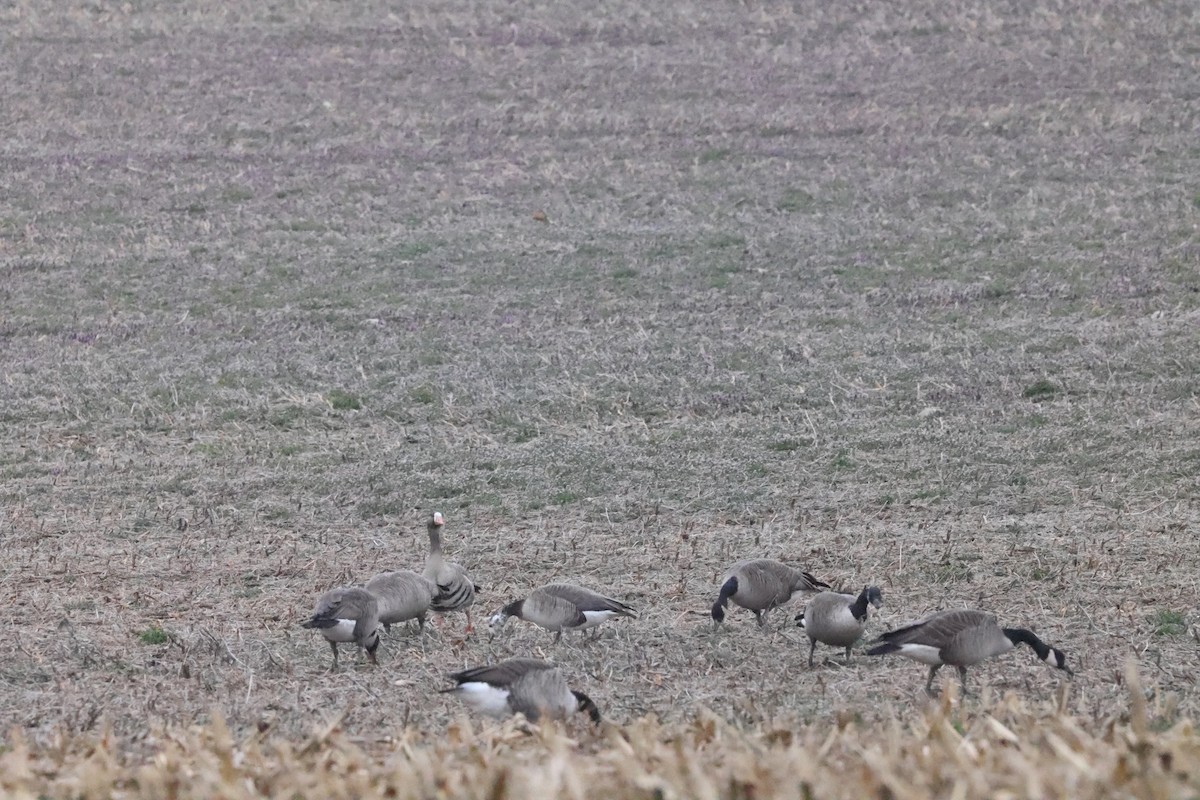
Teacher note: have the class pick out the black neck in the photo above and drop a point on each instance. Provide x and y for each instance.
(1022, 636)
(514, 608)
(859, 607)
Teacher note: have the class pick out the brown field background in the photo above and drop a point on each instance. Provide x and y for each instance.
(902, 293)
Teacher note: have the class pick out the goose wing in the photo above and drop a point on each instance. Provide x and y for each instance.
(502, 674)
(587, 600)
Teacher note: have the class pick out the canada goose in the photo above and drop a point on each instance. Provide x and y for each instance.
(961, 639)
(348, 614)
(760, 584)
(521, 686)
(402, 595)
(563, 606)
(456, 592)
(837, 619)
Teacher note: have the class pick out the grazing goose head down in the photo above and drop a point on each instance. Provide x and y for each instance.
(348, 614)
(521, 686)
(962, 639)
(402, 595)
(455, 589)
(761, 584)
(563, 606)
(837, 619)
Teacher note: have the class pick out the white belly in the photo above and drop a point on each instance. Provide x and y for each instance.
(922, 652)
(485, 698)
(342, 632)
(594, 618)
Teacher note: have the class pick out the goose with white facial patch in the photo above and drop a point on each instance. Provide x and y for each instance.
(962, 639)
(837, 619)
(760, 584)
(456, 590)
(563, 606)
(521, 686)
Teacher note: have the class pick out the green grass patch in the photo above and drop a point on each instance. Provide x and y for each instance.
(343, 401)
(1040, 390)
(1169, 623)
(796, 201)
(154, 635)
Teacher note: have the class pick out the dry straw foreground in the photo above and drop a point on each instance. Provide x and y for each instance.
(903, 292)
(1003, 749)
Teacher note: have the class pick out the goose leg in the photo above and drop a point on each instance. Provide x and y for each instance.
(760, 618)
(470, 625)
(558, 636)
(811, 650)
(929, 683)
(848, 652)
(335, 656)
(962, 676)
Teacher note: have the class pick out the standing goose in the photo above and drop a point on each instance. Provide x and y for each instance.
(455, 592)
(563, 606)
(521, 686)
(402, 595)
(961, 639)
(760, 584)
(837, 619)
(349, 614)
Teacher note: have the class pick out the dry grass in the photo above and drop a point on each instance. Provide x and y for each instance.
(1008, 748)
(907, 295)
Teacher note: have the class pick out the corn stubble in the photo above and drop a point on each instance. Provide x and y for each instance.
(1006, 748)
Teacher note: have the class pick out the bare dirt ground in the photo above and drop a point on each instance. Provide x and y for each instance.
(904, 293)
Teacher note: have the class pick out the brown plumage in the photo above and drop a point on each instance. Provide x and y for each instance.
(961, 639)
(563, 606)
(456, 590)
(760, 584)
(347, 614)
(402, 595)
(521, 686)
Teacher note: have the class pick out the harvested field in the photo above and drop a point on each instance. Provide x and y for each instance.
(907, 295)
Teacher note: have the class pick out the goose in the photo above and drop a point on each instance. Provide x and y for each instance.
(402, 595)
(837, 619)
(521, 686)
(961, 639)
(348, 614)
(563, 606)
(760, 584)
(456, 592)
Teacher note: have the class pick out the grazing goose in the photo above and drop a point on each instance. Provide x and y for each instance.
(456, 592)
(759, 585)
(402, 595)
(837, 619)
(961, 639)
(349, 614)
(521, 686)
(563, 606)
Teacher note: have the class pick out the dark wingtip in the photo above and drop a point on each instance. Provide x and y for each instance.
(586, 705)
(808, 576)
(883, 649)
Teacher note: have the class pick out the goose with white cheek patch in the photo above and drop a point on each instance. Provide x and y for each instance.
(563, 606)
(760, 584)
(837, 619)
(521, 686)
(348, 614)
(962, 639)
